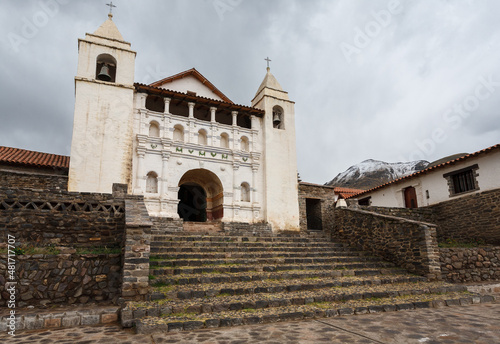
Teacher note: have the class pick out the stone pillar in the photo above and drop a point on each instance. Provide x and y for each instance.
(191, 110)
(142, 100)
(212, 114)
(164, 171)
(141, 153)
(137, 241)
(253, 188)
(167, 105)
(235, 118)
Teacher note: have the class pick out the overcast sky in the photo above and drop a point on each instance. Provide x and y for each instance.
(387, 80)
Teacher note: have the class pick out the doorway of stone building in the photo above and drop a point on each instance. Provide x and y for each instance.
(313, 214)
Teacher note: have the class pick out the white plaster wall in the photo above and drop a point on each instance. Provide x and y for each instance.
(165, 204)
(190, 83)
(280, 163)
(101, 148)
(434, 182)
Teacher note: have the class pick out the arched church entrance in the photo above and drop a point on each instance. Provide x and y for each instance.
(201, 196)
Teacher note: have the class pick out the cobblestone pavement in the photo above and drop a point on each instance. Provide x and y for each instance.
(471, 324)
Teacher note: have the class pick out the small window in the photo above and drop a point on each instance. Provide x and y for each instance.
(178, 133)
(245, 192)
(245, 146)
(105, 68)
(224, 140)
(278, 118)
(463, 180)
(152, 183)
(365, 201)
(202, 137)
(154, 129)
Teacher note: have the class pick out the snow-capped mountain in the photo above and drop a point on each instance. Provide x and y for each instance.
(371, 173)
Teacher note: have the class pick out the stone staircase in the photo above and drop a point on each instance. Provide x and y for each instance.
(212, 279)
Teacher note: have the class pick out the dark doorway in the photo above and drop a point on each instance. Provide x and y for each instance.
(313, 214)
(192, 203)
(411, 198)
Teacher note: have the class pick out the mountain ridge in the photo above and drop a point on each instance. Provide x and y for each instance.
(371, 173)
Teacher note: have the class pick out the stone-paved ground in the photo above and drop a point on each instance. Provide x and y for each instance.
(471, 324)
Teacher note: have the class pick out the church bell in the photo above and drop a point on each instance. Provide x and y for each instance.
(104, 73)
(276, 119)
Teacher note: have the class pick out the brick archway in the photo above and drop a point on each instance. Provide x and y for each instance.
(201, 196)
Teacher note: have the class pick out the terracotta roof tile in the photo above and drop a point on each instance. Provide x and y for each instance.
(25, 157)
(432, 168)
(347, 190)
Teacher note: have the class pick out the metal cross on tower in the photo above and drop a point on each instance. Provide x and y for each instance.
(110, 8)
(268, 60)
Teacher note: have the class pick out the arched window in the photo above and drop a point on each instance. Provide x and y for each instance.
(152, 183)
(224, 140)
(155, 103)
(245, 146)
(105, 69)
(202, 137)
(278, 118)
(154, 129)
(245, 192)
(178, 133)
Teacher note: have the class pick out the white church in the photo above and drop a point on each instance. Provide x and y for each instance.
(180, 142)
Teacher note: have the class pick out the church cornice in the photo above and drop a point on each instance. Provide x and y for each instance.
(106, 45)
(107, 83)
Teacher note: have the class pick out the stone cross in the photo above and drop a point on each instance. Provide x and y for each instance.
(110, 7)
(268, 60)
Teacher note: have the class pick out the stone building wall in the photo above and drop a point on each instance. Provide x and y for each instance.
(472, 218)
(425, 214)
(60, 218)
(326, 198)
(44, 280)
(409, 244)
(470, 264)
(33, 180)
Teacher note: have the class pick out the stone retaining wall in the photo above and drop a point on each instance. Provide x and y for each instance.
(409, 244)
(42, 217)
(64, 318)
(44, 280)
(34, 180)
(425, 214)
(470, 264)
(137, 247)
(471, 218)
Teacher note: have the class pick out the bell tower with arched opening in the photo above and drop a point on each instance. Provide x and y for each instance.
(279, 154)
(101, 148)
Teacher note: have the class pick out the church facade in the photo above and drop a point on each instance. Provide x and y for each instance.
(180, 142)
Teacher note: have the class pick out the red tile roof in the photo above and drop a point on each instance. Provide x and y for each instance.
(432, 168)
(347, 190)
(198, 76)
(16, 156)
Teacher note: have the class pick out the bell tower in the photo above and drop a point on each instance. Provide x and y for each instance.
(101, 147)
(279, 154)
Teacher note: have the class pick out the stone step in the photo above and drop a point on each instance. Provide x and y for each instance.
(177, 249)
(258, 255)
(227, 301)
(221, 269)
(166, 238)
(260, 276)
(245, 261)
(151, 318)
(272, 245)
(207, 290)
